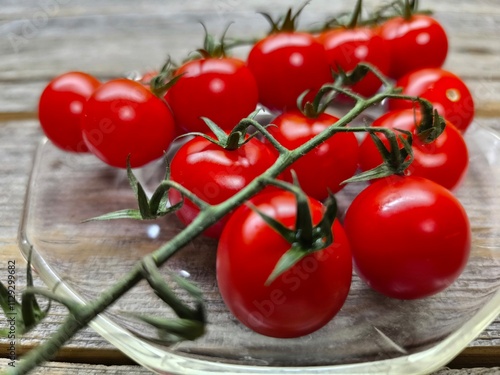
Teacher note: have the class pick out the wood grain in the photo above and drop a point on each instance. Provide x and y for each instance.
(39, 40)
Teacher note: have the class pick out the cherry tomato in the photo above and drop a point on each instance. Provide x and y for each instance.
(410, 237)
(446, 91)
(303, 298)
(221, 89)
(285, 64)
(444, 161)
(347, 47)
(415, 43)
(60, 109)
(326, 166)
(215, 174)
(122, 118)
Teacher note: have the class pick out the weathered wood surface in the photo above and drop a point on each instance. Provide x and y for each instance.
(40, 39)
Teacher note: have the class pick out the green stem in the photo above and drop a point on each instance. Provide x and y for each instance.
(209, 215)
(355, 15)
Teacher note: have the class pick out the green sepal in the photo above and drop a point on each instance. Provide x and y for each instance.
(165, 79)
(28, 313)
(213, 48)
(395, 160)
(356, 15)
(397, 8)
(286, 233)
(323, 231)
(190, 323)
(288, 23)
(353, 76)
(320, 103)
(321, 237)
(306, 237)
(431, 125)
(172, 330)
(287, 261)
(165, 293)
(149, 209)
(232, 141)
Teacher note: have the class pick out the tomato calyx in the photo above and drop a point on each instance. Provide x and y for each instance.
(352, 19)
(236, 138)
(343, 79)
(165, 79)
(213, 48)
(432, 124)
(287, 23)
(306, 237)
(399, 8)
(321, 101)
(396, 158)
(148, 208)
(399, 155)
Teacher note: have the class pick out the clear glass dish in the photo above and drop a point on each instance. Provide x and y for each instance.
(371, 335)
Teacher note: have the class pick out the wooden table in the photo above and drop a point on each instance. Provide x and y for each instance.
(40, 39)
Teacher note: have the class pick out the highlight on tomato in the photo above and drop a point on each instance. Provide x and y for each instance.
(414, 40)
(447, 92)
(305, 296)
(348, 45)
(444, 160)
(60, 109)
(216, 169)
(286, 63)
(123, 118)
(214, 86)
(323, 169)
(410, 237)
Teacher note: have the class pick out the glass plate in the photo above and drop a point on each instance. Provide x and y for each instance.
(371, 334)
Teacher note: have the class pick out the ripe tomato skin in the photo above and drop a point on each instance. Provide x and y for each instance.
(221, 89)
(417, 43)
(60, 109)
(348, 47)
(302, 299)
(444, 161)
(285, 64)
(122, 118)
(410, 237)
(215, 174)
(446, 91)
(325, 167)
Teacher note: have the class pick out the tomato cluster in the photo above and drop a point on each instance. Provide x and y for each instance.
(406, 235)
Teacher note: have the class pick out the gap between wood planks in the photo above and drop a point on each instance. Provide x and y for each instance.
(483, 110)
(470, 357)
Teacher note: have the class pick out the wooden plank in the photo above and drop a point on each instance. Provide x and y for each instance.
(17, 142)
(61, 368)
(109, 38)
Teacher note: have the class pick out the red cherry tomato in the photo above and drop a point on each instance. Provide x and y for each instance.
(215, 174)
(415, 43)
(286, 64)
(122, 118)
(60, 109)
(302, 299)
(326, 166)
(444, 161)
(221, 89)
(347, 47)
(410, 237)
(446, 91)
